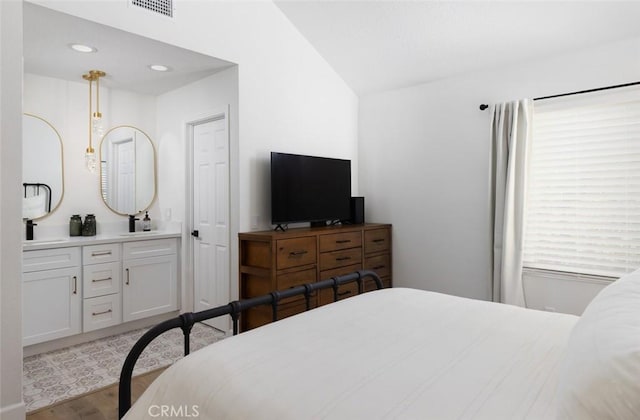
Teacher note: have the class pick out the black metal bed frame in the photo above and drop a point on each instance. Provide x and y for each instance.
(186, 321)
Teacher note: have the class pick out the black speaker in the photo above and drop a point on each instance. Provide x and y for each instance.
(357, 210)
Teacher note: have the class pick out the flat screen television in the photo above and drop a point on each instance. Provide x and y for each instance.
(309, 189)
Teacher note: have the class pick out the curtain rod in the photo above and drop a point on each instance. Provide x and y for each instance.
(485, 106)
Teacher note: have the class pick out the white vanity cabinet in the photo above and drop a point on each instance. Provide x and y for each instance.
(150, 278)
(101, 273)
(51, 294)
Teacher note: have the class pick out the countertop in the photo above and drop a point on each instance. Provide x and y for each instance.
(103, 238)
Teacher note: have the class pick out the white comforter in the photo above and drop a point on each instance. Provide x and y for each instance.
(393, 353)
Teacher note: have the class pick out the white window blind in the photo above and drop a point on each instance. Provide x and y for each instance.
(582, 211)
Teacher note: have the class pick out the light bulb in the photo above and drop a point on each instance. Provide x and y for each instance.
(96, 125)
(90, 161)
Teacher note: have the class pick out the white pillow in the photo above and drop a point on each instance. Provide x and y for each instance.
(600, 374)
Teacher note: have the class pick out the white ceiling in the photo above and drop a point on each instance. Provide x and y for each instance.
(379, 45)
(123, 56)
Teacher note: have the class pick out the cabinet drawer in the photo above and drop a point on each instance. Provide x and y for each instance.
(381, 264)
(95, 254)
(289, 280)
(330, 260)
(101, 279)
(150, 248)
(340, 241)
(47, 259)
(376, 240)
(101, 312)
(296, 252)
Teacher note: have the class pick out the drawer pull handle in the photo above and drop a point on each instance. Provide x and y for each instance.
(348, 292)
(343, 258)
(297, 253)
(127, 270)
(378, 240)
(99, 254)
(378, 267)
(101, 313)
(97, 280)
(343, 241)
(75, 285)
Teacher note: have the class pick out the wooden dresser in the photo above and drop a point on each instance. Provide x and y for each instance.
(273, 260)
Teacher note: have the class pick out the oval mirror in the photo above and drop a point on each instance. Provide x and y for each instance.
(127, 170)
(42, 168)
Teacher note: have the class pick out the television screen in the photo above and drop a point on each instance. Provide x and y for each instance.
(309, 188)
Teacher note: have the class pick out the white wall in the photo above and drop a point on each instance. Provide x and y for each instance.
(289, 98)
(64, 105)
(11, 405)
(424, 161)
(175, 109)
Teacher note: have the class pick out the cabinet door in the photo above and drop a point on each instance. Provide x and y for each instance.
(149, 287)
(51, 304)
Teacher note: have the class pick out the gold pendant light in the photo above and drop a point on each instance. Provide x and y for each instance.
(95, 118)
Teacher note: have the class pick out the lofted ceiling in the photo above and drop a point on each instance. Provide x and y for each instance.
(380, 45)
(125, 57)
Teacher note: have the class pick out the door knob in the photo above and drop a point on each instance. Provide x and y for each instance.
(195, 234)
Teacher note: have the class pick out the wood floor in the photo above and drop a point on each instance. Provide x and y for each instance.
(98, 405)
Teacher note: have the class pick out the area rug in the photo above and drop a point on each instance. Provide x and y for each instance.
(66, 373)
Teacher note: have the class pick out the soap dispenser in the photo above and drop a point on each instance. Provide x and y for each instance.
(146, 222)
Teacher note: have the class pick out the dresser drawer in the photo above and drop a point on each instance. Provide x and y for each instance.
(101, 312)
(296, 252)
(381, 264)
(376, 240)
(370, 285)
(95, 254)
(289, 280)
(101, 279)
(261, 315)
(339, 241)
(47, 259)
(330, 260)
(344, 291)
(327, 274)
(150, 248)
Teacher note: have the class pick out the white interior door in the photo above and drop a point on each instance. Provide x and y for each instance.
(211, 217)
(125, 159)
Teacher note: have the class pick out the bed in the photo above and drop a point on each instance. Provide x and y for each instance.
(413, 354)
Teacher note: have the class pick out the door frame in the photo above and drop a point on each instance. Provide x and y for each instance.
(188, 283)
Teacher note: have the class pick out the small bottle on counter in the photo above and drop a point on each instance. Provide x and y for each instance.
(75, 225)
(146, 222)
(89, 226)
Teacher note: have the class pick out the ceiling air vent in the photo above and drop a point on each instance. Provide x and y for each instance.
(163, 7)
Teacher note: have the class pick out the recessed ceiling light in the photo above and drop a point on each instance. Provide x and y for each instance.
(159, 67)
(83, 48)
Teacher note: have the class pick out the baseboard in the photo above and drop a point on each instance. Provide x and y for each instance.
(13, 412)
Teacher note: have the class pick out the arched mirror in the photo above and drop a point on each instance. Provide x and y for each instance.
(127, 170)
(42, 168)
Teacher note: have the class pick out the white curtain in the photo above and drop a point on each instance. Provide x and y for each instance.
(510, 137)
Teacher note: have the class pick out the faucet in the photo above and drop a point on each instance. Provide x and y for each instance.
(30, 225)
(132, 222)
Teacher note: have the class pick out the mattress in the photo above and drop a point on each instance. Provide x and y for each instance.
(392, 353)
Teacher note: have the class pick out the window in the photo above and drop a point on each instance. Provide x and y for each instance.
(582, 211)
